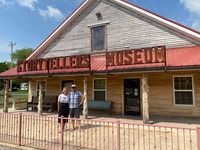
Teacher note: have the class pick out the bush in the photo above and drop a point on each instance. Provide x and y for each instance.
(15, 89)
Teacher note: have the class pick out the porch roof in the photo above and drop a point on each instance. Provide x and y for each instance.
(185, 58)
(188, 57)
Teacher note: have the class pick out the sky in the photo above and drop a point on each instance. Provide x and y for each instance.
(28, 22)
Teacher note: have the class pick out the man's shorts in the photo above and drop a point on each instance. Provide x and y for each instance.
(74, 113)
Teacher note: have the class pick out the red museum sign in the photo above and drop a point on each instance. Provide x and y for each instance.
(116, 58)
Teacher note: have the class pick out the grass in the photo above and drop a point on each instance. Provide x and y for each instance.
(19, 96)
(15, 92)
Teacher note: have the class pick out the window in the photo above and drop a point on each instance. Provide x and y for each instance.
(98, 38)
(100, 89)
(183, 90)
(43, 88)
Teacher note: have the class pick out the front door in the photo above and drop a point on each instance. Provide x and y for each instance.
(67, 83)
(132, 96)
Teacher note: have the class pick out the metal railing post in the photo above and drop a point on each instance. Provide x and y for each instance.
(61, 135)
(198, 138)
(118, 135)
(20, 130)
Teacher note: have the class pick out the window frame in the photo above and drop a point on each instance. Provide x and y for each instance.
(37, 90)
(193, 94)
(100, 89)
(105, 38)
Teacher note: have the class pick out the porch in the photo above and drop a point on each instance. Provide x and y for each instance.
(142, 89)
(173, 121)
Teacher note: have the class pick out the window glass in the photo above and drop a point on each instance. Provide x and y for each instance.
(99, 95)
(99, 84)
(99, 89)
(98, 38)
(183, 90)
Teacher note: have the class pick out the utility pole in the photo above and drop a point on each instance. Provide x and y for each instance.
(11, 64)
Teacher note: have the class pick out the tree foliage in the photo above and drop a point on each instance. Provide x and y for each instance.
(18, 55)
(3, 67)
(21, 54)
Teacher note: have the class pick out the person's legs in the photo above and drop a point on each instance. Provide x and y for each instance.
(63, 125)
(62, 116)
(71, 113)
(65, 121)
(77, 115)
(59, 119)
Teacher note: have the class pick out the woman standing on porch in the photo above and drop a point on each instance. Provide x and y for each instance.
(63, 107)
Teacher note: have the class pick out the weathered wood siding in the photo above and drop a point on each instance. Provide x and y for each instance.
(54, 85)
(161, 100)
(115, 93)
(125, 30)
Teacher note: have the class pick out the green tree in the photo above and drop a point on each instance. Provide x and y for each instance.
(3, 67)
(21, 54)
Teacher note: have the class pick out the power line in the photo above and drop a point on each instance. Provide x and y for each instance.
(6, 42)
(3, 42)
(2, 46)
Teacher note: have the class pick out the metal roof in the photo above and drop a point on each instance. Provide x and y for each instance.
(185, 58)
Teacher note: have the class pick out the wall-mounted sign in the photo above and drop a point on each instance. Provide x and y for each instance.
(137, 56)
(117, 58)
(68, 62)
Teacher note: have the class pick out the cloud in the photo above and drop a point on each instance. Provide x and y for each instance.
(193, 7)
(5, 2)
(27, 3)
(196, 24)
(2, 2)
(51, 12)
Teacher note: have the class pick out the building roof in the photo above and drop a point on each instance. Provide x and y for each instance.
(135, 9)
(176, 58)
(185, 58)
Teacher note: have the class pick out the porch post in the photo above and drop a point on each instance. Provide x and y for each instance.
(40, 100)
(6, 96)
(29, 91)
(85, 108)
(145, 104)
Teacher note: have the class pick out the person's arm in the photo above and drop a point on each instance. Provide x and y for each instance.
(82, 99)
(68, 95)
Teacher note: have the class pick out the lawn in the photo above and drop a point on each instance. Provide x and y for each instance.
(20, 96)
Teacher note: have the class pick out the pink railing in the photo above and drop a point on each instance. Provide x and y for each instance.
(44, 132)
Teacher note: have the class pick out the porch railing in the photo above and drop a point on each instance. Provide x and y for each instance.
(45, 133)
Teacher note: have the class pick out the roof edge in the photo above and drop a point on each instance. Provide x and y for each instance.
(52, 36)
(165, 21)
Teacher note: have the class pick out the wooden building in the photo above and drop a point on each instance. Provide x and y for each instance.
(142, 62)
